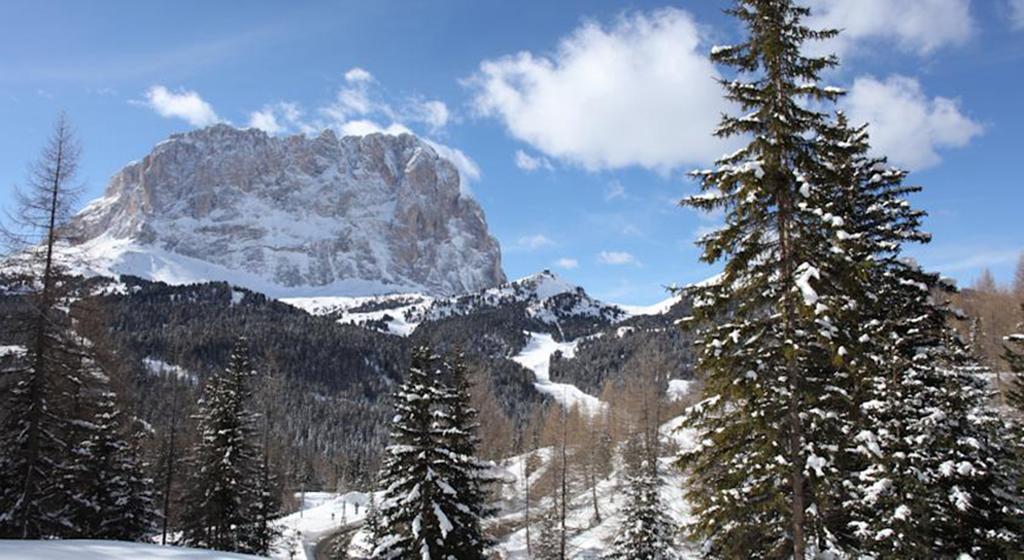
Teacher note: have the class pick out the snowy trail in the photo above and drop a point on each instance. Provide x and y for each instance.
(536, 356)
(324, 514)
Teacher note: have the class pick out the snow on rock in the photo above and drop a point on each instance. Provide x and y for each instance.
(536, 356)
(292, 216)
(105, 550)
(660, 308)
(548, 297)
(544, 297)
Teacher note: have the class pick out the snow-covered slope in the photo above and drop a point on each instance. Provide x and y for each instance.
(544, 297)
(536, 357)
(296, 215)
(547, 297)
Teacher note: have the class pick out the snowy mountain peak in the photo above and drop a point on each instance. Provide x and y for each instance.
(295, 215)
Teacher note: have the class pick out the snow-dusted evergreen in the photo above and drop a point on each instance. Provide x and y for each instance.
(373, 524)
(766, 325)
(432, 500)
(927, 473)
(225, 485)
(843, 415)
(469, 475)
(46, 421)
(108, 492)
(646, 531)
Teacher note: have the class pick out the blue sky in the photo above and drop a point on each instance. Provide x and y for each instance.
(575, 121)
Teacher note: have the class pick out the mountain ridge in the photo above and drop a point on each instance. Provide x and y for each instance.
(294, 215)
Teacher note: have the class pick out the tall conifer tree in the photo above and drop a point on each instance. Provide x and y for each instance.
(470, 474)
(223, 490)
(646, 531)
(38, 424)
(918, 400)
(429, 476)
(765, 345)
(109, 494)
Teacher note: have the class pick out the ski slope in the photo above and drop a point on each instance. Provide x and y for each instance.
(536, 356)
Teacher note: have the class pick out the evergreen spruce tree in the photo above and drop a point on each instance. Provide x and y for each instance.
(759, 481)
(372, 525)
(139, 513)
(470, 474)
(421, 478)
(267, 506)
(223, 489)
(646, 531)
(108, 493)
(925, 473)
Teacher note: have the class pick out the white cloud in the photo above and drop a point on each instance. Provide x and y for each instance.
(358, 75)
(1017, 13)
(639, 92)
(534, 242)
(905, 124)
(614, 191)
(362, 127)
(359, 108)
(265, 120)
(567, 263)
(919, 26)
(469, 171)
(616, 257)
(433, 113)
(526, 162)
(181, 104)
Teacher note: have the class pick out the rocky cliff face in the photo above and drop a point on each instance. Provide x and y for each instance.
(294, 215)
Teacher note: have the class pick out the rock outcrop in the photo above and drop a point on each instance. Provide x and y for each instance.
(294, 215)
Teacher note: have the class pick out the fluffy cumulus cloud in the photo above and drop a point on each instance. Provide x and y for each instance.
(180, 104)
(905, 124)
(567, 263)
(1017, 13)
(638, 92)
(616, 257)
(527, 162)
(277, 118)
(363, 98)
(358, 75)
(919, 26)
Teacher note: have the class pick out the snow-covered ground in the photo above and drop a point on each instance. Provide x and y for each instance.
(106, 550)
(536, 356)
(403, 312)
(590, 539)
(323, 514)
